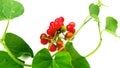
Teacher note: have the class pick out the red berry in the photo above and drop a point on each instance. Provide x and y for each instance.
(69, 27)
(61, 19)
(56, 20)
(52, 48)
(44, 41)
(58, 25)
(68, 35)
(44, 38)
(61, 46)
(52, 25)
(72, 30)
(72, 23)
(51, 32)
(59, 22)
(43, 35)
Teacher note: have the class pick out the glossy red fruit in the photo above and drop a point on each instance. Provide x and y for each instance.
(44, 41)
(52, 48)
(60, 19)
(69, 27)
(58, 25)
(61, 46)
(59, 22)
(72, 24)
(52, 25)
(43, 38)
(43, 35)
(51, 32)
(68, 35)
(72, 30)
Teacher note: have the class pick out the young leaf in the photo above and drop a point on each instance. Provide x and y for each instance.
(93, 9)
(17, 45)
(10, 9)
(62, 60)
(43, 59)
(78, 61)
(7, 62)
(111, 25)
(96, 18)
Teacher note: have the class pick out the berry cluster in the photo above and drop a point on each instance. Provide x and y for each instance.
(57, 33)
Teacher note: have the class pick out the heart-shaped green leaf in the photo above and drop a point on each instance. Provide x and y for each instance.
(111, 25)
(43, 59)
(95, 17)
(7, 62)
(62, 60)
(78, 61)
(93, 9)
(17, 45)
(10, 9)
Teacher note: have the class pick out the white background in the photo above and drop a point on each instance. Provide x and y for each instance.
(38, 14)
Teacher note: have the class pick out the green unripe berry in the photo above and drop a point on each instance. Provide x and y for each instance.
(63, 29)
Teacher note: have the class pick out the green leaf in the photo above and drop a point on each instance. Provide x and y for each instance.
(17, 45)
(7, 62)
(62, 60)
(111, 25)
(10, 9)
(93, 9)
(78, 61)
(96, 18)
(43, 59)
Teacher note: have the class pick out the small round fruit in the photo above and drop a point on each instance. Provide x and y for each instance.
(69, 27)
(44, 41)
(43, 35)
(50, 32)
(63, 29)
(52, 48)
(72, 24)
(72, 30)
(61, 19)
(59, 42)
(68, 35)
(61, 46)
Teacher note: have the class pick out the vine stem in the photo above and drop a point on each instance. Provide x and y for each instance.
(7, 49)
(85, 21)
(13, 57)
(4, 34)
(100, 33)
(99, 44)
(117, 36)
